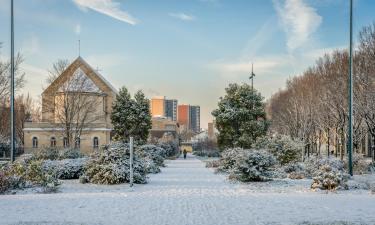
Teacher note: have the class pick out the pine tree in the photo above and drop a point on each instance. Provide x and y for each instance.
(240, 117)
(131, 117)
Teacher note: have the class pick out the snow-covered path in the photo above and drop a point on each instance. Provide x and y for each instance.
(184, 193)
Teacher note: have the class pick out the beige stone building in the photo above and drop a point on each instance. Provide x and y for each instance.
(76, 110)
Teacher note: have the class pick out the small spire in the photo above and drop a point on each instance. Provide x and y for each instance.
(79, 47)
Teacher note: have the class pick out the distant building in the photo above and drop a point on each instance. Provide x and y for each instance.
(195, 118)
(161, 127)
(157, 106)
(171, 109)
(183, 116)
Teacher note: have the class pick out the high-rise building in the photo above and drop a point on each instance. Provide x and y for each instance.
(195, 118)
(171, 109)
(183, 116)
(157, 106)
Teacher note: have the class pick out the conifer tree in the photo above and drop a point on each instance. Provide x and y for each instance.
(240, 117)
(131, 117)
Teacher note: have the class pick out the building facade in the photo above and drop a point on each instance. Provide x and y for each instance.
(157, 106)
(171, 109)
(76, 110)
(183, 116)
(195, 118)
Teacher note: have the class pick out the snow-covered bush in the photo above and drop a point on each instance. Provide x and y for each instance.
(313, 164)
(46, 153)
(207, 153)
(213, 164)
(111, 166)
(329, 178)
(57, 153)
(27, 173)
(360, 164)
(66, 168)
(171, 148)
(4, 182)
(228, 159)
(157, 154)
(150, 165)
(70, 153)
(295, 170)
(284, 148)
(253, 165)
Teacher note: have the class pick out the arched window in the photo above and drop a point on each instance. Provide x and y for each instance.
(95, 142)
(77, 142)
(35, 142)
(65, 142)
(53, 142)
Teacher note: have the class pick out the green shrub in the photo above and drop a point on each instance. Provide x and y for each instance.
(111, 166)
(253, 165)
(46, 153)
(329, 178)
(284, 148)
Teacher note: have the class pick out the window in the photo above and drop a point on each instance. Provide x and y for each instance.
(95, 142)
(53, 142)
(65, 142)
(35, 142)
(77, 143)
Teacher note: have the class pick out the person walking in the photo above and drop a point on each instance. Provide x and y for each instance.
(185, 152)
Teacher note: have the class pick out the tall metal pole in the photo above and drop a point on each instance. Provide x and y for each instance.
(350, 144)
(131, 146)
(12, 121)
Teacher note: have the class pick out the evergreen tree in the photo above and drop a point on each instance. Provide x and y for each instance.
(131, 117)
(240, 117)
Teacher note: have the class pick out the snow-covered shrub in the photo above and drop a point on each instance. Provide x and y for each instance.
(294, 167)
(171, 148)
(150, 165)
(83, 179)
(213, 164)
(253, 165)
(296, 175)
(372, 188)
(57, 153)
(157, 154)
(313, 164)
(360, 164)
(330, 178)
(284, 148)
(4, 182)
(228, 159)
(70, 153)
(207, 153)
(46, 153)
(28, 173)
(66, 168)
(111, 166)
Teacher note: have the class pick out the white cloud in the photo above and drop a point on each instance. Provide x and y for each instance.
(298, 20)
(182, 16)
(262, 65)
(77, 29)
(106, 7)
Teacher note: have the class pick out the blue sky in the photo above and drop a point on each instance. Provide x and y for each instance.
(189, 50)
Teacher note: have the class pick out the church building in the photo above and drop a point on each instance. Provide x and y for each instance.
(76, 109)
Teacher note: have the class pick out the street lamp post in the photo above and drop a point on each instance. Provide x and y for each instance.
(252, 77)
(350, 139)
(12, 121)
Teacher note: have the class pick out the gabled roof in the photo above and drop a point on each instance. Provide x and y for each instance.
(80, 64)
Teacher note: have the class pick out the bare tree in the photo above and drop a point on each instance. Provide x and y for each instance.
(76, 103)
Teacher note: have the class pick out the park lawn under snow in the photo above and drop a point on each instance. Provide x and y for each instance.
(188, 193)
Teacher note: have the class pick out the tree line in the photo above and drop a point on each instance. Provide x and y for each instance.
(314, 106)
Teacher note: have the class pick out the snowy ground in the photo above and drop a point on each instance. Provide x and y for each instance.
(188, 193)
